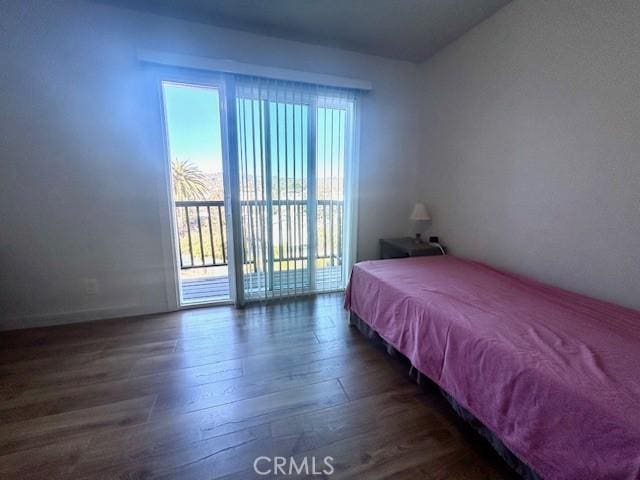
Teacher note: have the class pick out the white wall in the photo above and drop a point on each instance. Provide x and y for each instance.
(531, 140)
(81, 172)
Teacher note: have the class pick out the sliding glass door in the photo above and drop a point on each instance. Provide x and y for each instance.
(262, 181)
(194, 142)
(293, 145)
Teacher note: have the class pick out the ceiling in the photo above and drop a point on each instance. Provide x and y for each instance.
(404, 29)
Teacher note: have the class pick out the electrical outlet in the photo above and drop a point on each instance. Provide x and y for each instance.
(91, 286)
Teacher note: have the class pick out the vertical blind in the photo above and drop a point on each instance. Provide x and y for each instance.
(294, 151)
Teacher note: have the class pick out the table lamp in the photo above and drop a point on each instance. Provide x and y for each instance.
(419, 214)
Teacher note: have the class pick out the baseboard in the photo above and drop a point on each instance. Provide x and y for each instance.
(78, 316)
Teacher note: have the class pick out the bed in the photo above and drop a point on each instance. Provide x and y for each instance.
(553, 374)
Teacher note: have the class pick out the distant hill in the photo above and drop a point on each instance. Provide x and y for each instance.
(327, 188)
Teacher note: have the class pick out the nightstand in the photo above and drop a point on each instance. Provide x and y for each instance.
(406, 247)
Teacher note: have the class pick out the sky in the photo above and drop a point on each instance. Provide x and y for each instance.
(193, 126)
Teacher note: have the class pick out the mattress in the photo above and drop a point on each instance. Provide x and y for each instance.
(555, 375)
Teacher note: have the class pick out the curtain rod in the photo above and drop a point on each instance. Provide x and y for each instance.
(231, 66)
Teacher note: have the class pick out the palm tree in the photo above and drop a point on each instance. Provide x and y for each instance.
(189, 183)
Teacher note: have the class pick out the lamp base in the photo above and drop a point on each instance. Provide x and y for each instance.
(418, 240)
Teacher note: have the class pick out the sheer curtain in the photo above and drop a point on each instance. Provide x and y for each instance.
(295, 178)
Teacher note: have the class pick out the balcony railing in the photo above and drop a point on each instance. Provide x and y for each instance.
(202, 237)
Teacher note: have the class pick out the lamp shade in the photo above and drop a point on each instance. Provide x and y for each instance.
(420, 212)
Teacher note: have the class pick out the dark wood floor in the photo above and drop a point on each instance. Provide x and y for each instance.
(200, 394)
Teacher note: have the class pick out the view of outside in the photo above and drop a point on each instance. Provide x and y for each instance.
(285, 145)
(195, 148)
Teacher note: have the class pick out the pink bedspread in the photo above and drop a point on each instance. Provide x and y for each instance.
(555, 375)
